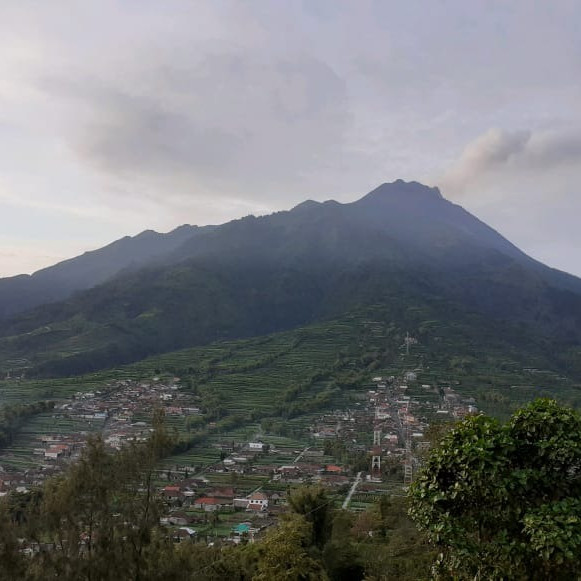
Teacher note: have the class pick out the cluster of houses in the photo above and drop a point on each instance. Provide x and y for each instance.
(217, 499)
(116, 411)
(387, 423)
(400, 420)
(119, 405)
(192, 502)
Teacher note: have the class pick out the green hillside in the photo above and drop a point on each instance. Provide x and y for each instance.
(280, 382)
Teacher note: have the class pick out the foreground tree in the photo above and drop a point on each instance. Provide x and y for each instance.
(97, 518)
(285, 553)
(503, 501)
(314, 505)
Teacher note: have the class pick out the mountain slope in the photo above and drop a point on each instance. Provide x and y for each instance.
(403, 243)
(58, 282)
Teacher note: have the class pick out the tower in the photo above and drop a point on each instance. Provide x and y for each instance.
(376, 462)
(408, 341)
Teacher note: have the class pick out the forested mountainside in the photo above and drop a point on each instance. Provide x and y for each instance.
(403, 245)
(58, 282)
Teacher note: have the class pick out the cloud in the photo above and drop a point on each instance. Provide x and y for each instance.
(498, 155)
(149, 114)
(526, 184)
(550, 149)
(492, 151)
(226, 121)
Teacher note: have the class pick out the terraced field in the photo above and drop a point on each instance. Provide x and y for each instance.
(21, 454)
(280, 383)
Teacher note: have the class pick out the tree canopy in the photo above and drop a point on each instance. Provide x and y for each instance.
(503, 501)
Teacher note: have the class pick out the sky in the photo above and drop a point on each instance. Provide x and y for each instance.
(121, 116)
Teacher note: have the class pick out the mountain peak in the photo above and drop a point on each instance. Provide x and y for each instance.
(306, 205)
(401, 188)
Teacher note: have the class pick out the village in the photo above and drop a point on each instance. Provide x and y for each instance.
(372, 448)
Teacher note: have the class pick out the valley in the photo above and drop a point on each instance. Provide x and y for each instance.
(349, 404)
(252, 374)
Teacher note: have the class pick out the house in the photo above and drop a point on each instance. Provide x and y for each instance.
(172, 495)
(267, 470)
(309, 469)
(335, 480)
(179, 518)
(183, 534)
(56, 451)
(223, 494)
(244, 530)
(257, 501)
(289, 470)
(240, 532)
(193, 482)
(240, 503)
(276, 498)
(207, 503)
(9, 481)
(332, 469)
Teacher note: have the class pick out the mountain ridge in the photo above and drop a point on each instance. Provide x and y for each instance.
(402, 242)
(59, 281)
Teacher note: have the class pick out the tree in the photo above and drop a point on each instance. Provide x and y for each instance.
(99, 515)
(284, 553)
(313, 503)
(11, 560)
(502, 501)
(340, 556)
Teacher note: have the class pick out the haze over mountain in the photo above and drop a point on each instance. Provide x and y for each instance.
(403, 244)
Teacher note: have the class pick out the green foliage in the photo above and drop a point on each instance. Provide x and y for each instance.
(284, 553)
(100, 521)
(12, 417)
(12, 562)
(314, 505)
(501, 501)
(96, 521)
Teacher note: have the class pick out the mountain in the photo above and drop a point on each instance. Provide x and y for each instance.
(402, 245)
(58, 282)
